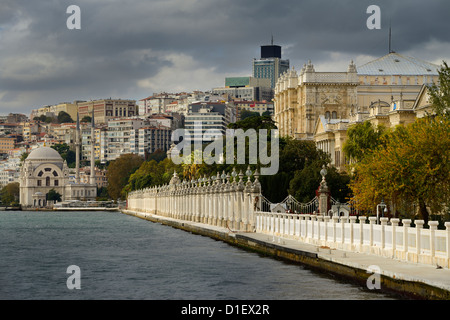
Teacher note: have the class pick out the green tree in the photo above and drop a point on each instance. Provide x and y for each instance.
(363, 138)
(440, 92)
(53, 195)
(254, 122)
(10, 194)
(86, 119)
(158, 156)
(64, 117)
(66, 153)
(247, 114)
(119, 171)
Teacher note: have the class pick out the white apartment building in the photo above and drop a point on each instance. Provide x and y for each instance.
(147, 140)
(122, 136)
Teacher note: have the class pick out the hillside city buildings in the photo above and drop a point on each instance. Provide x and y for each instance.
(307, 104)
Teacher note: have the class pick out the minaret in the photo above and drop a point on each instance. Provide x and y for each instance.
(92, 177)
(77, 150)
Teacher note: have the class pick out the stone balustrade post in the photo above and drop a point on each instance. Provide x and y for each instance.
(406, 225)
(319, 220)
(326, 219)
(362, 222)
(372, 221)
(313, 218)
(394, 223)
(352, 222)
(433, 227)
(343, 220)
(383, 231)
(335, 221)
(447, 229)
(306, 225)
(419, 226)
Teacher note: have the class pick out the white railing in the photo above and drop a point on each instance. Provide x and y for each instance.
(214, 200)
(391, 238)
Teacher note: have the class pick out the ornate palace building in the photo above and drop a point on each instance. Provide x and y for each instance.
(320, 106)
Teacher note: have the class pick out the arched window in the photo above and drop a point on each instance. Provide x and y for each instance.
(327, 115)
(334, 115)
(47, 181)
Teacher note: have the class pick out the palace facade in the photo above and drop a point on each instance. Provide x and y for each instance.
(320, 106)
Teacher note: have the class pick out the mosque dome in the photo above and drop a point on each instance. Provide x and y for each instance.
(44, 153)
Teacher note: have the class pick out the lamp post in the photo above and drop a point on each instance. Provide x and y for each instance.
(382, 206)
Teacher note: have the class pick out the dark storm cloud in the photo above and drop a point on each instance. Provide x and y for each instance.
(131, 48)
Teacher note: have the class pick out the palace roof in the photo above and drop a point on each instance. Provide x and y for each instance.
(397, 64)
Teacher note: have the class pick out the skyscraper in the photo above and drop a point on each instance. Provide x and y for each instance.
(270, 65)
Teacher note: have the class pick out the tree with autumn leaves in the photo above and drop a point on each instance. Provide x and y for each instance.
(408, 166)
(411, 167)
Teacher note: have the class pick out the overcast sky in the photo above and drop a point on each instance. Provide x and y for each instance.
(130, 49)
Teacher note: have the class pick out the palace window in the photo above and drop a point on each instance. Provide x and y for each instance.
(47, 181)
(39, 183)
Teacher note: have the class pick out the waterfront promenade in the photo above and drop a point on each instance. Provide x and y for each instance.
(414, 280)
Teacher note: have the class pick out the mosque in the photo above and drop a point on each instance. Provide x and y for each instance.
(44, 169)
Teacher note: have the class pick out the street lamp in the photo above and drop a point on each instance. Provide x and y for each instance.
(383, 208)
(338, 206)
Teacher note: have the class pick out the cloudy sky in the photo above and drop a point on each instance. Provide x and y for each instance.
(131, 49)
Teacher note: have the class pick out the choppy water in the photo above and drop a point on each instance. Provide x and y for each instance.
(124, 257)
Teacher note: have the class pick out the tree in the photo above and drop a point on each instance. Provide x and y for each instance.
(440, 92)
(64, 117)
(254, 122)
(53, 195)
(66, 153)
(411, 166)
(86, 119)
(363, 138)
(247, 114)
(10, 194)
(119, 171)
(158, 155)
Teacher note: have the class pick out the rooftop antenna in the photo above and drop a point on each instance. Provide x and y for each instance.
(390, 37)
(272, 40)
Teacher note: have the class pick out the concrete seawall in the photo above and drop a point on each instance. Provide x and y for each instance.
(410, 280)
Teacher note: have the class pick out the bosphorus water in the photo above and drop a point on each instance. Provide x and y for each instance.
(124, 257)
